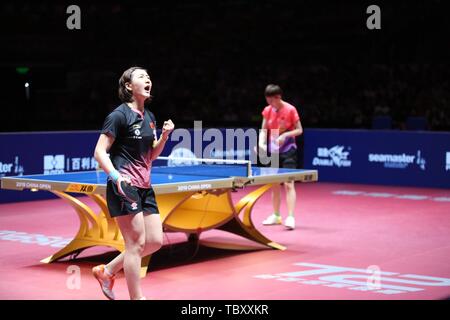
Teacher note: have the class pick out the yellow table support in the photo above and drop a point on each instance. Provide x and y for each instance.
(188, 212)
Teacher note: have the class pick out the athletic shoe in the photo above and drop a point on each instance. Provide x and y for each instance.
(106, 281)
(290, 223)
(272, 219)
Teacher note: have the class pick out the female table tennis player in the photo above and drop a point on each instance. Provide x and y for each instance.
(129, 135)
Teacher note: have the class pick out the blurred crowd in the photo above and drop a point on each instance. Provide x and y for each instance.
(212, 63)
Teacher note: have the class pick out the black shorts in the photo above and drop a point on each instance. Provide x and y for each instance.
(288, 159)
(118, 205)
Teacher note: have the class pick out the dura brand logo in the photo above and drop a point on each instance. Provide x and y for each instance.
(371, 279)
(335, 156)
(54, 164)
(447, 162)
(399, 161)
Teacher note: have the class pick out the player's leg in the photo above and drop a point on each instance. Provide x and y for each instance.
(152, 221)
(275, 217)
(153, 242)
(289, 160)
(135, 233)
(114, 266)
(291, 198)
(132, 228)
(153, 233)
(117, 206)
(152, 226)
(276, 198)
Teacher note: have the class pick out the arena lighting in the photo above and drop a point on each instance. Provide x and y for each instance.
(22, 70)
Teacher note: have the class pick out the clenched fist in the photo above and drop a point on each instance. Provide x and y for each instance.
(167, 128)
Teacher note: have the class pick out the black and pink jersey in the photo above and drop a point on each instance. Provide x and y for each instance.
(134, 135)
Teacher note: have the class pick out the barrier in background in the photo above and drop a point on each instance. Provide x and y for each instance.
(355, 156)
(402, 158)
(44, 152)
(62, 152)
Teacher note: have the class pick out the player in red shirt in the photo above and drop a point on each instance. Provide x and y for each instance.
(283, 124)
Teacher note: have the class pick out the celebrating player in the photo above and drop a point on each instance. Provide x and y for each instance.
(129, 135)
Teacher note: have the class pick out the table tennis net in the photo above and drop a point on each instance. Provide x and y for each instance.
(201, 167)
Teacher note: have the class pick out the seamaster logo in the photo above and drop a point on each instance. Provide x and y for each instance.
(8, 168)
(336, 156)
(399, 161)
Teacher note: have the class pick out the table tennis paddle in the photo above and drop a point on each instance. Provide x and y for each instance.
(130, 192)
(274, 146)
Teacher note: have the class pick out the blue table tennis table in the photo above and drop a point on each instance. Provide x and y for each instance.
(191, 199)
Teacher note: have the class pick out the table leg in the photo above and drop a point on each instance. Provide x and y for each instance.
(245, 227)
(94, 230)
(185, 212)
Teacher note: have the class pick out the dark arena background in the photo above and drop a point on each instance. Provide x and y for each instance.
(370, 82)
